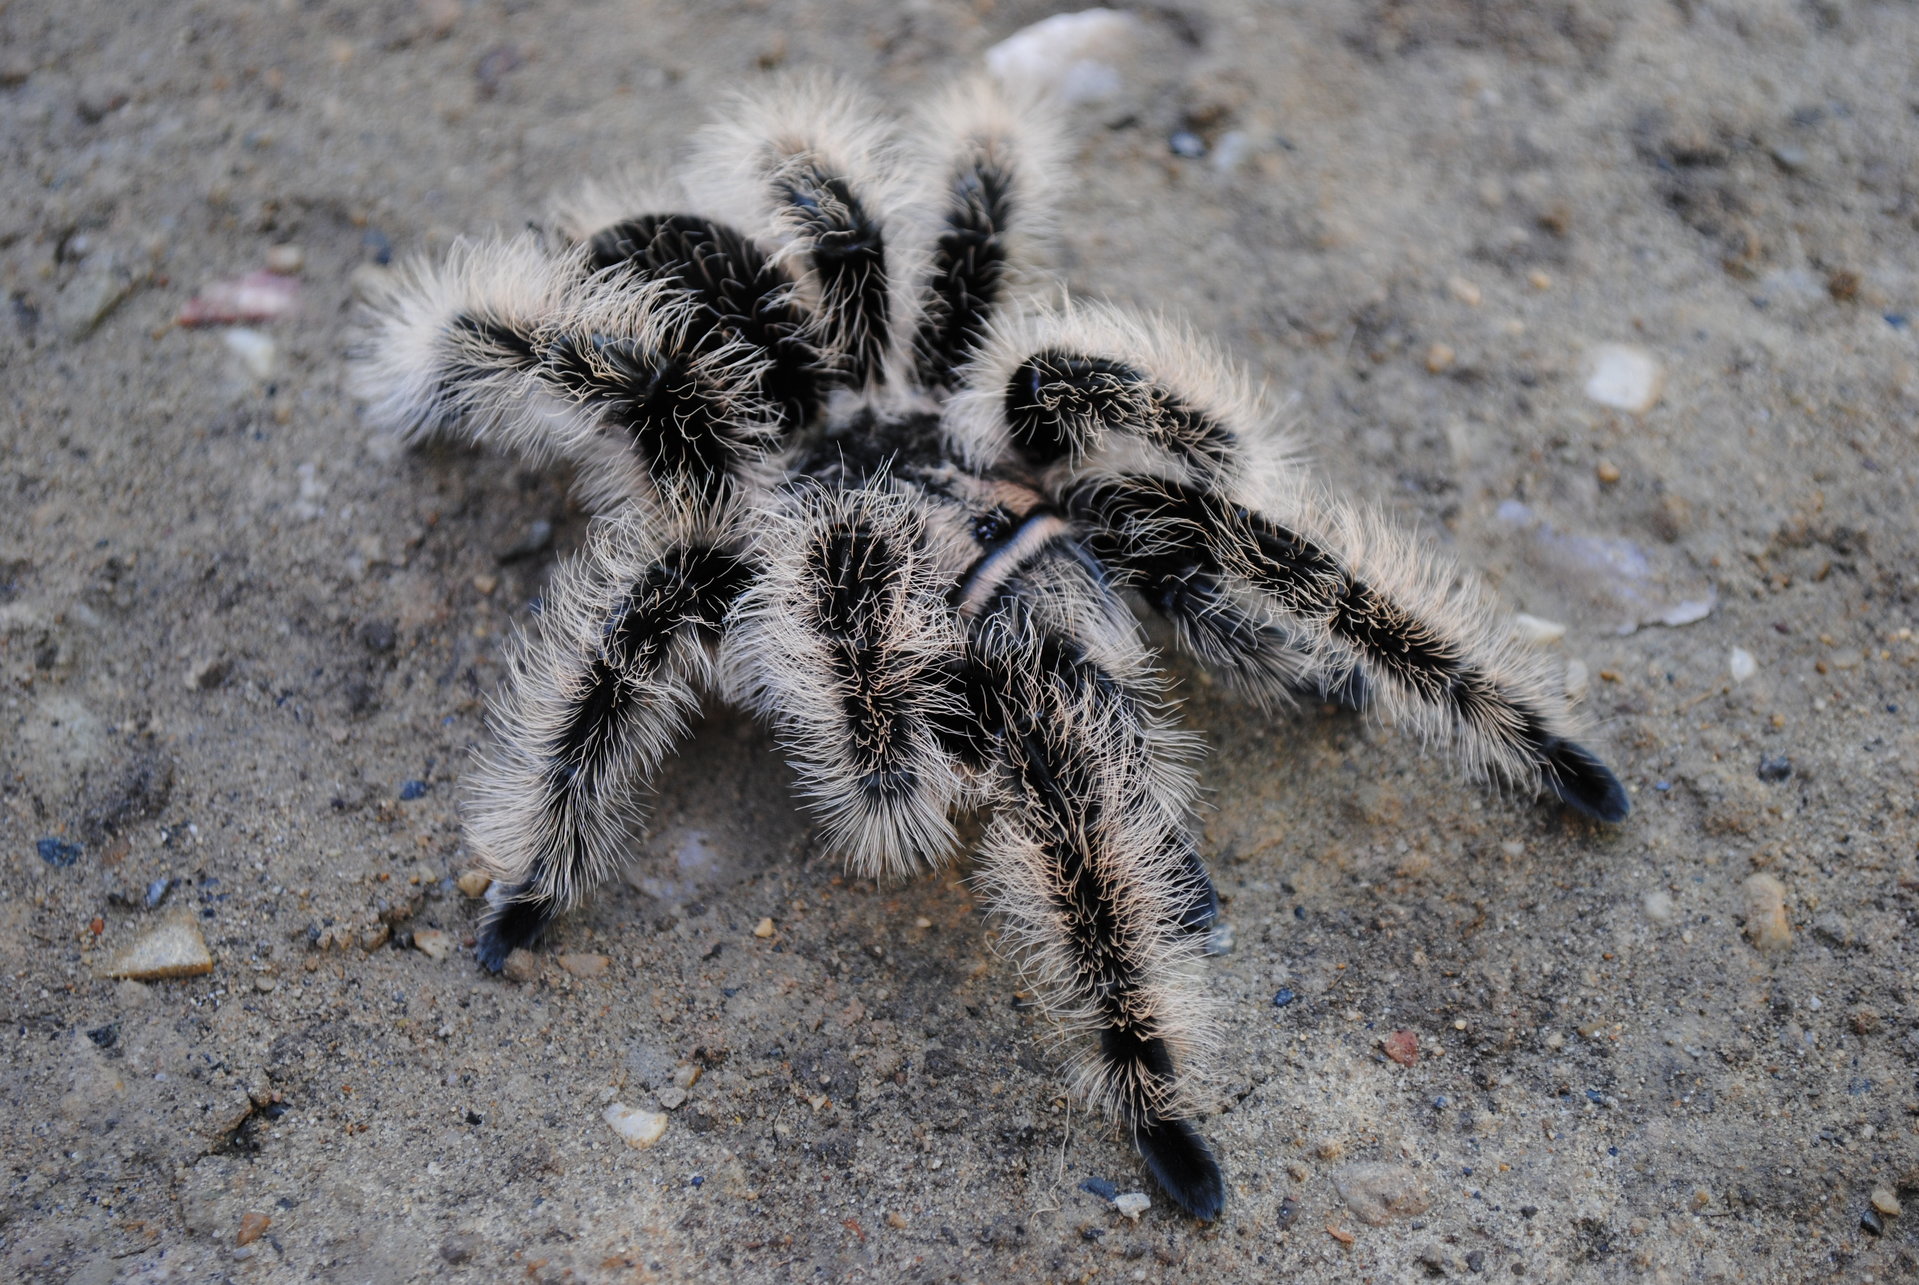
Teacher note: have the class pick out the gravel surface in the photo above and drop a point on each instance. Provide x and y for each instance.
(1615, 300)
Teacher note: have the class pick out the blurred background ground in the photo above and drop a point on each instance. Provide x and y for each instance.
(244, 644)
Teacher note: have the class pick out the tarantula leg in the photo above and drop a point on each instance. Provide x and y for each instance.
(1362, 597)
(744, 296)
(986, 169)
(1088, 861)
(844, 643)
(605, 683)
(808, 171)
(456, 343)
(664, 409)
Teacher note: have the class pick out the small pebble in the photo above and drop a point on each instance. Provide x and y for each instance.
(472, 883)
(100, 287)
(1283, 996)
(763, 929)
(1886, 1202)
(265, 984)
(1231, 151)
(585, 965)
(1790, 157)
(1539, 280)
(640, 1128)
(1381, 1193)
(172, 948)
(157, 891)
(1402, 1047)
(1440, 357)
(1659, 907)
(922, 922)
(521, 966)
(1741, 665)
(252, 1225)
(1607, 472)
(432, 943)
(1100, 1187)
(672, 1097)
(1464, 291)
(1537, 631)
(1133, 1204)
(1765, 909)
(411, 790)
(256, 350)
(486, 583)
(1774, 768)
(1187, 144)
(58, 853)
(687, 1074)
(208, 673)
(286, 260)
(1624, 377)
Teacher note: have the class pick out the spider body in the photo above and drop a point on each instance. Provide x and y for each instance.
(859, 473)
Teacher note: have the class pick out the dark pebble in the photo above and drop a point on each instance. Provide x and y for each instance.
(1188, 144)
(157, 891)
(1527, 1211)
(58, 853)
(377, 247)
(412, 790)
(475, 1118)
(1101, 1188)
(105, 1036)
(1287, 1209)
(1476, 1261)
(1872, 1222)
(1898, 320)
(1774, 768)
(1282, 997)
(274, 1110)
(378, 636)
(697, 1180)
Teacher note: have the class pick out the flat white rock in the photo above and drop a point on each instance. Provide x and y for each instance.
(1624, 377)
(171, 948)
(640, 1128)
(1741, 664)
(1074, 56)
(1133, 1204)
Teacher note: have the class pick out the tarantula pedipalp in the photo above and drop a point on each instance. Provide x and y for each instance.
(858, 474)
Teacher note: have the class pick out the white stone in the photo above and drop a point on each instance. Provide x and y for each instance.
(1538, 631)
(1742, 665)
(1624, 377)
(1073, 56)
(256, 351)
(171, 948)
(639, 1128)
(1133, 1204)
(432, 943)
(1659, 907)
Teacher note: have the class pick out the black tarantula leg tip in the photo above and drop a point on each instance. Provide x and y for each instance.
(1183, 1166)
(515, 921)
(1200, 905)
(1583, 783)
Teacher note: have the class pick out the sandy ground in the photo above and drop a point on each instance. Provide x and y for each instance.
(235, 624)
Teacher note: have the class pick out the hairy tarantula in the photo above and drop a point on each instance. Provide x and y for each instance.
(860, 470)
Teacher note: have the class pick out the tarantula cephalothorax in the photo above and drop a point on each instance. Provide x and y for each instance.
(860, 473)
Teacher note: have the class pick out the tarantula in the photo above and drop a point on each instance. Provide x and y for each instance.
(861, 471)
